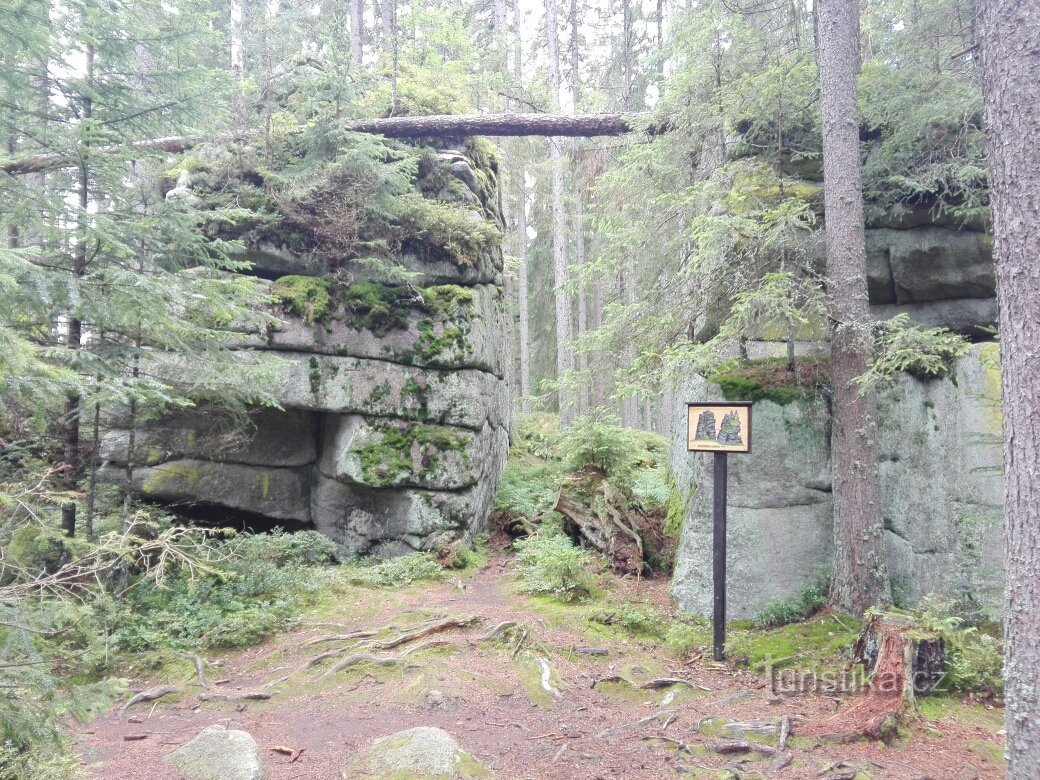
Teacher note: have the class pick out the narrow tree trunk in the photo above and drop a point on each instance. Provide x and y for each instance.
(74, 337)
(578, 222)
(522, 288)
(860, 579)
(1010, 39)
(95, 444)
(388, 12)
(357, 32)
(564, 355)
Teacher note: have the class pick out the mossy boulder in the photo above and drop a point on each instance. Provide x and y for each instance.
(219, 753)
(421, 753)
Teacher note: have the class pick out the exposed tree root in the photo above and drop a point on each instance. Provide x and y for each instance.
(149, 695)
(728, 748)
(411, 636)
(499, 631)
(248, 696)
(200, 666)
(360, 658)
(650, 685)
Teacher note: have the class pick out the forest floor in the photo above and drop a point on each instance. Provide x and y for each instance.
(544, 698)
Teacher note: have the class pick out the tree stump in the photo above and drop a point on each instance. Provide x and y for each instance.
(903, 661)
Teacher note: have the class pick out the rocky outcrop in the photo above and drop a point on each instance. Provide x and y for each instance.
(395, 416)
(940, 460)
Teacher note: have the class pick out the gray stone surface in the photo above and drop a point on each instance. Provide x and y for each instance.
(422, 753)
(940, 474)
(929, 264)
(393, 431)
(281, 494)
(779, 506)
(269, 438)
(476, 345)
(219, 753)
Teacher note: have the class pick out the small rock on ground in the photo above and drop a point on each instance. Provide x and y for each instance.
(219, 753)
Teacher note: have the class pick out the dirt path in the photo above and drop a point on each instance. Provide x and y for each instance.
(531, 711)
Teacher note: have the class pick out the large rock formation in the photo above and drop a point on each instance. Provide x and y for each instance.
(941, 487)
(395, 420)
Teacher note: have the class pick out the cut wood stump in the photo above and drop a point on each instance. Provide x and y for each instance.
(903, 661)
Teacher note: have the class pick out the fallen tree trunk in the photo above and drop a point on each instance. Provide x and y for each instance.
(582, 126)
(437, 126)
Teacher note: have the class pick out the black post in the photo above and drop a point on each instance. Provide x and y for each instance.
(718, 557)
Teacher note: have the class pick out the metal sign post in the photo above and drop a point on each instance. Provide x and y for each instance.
(720, 428)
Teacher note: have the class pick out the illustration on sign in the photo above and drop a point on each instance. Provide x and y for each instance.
(719, 427)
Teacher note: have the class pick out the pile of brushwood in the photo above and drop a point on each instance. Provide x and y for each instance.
(607, 488)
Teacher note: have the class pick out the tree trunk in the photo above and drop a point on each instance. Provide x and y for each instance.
(564, 355)
(74, 336)
(522, 288)
(903, 661)
(577, 186)
(1010, 40)
(860, 579)
(357, 32)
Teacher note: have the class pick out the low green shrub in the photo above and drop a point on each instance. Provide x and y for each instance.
(686, 635)
(553, 565)
(780, 612)
(901, 345)
(639, 619)
(974, 658)
(395, 572)
(253, 586)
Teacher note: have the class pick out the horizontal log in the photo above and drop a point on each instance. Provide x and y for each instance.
(435, 126)
(582, 126)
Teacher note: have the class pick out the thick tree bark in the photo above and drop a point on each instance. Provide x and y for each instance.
(860, 579)
(1010, 40)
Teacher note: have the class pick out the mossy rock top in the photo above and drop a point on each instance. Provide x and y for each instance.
(421, 753)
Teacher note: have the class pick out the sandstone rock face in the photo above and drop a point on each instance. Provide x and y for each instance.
(396, 415)
(219, 753)
(940, 458)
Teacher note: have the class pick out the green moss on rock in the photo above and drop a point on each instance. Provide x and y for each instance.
(308, 297)
(769, 380)
(408, 451)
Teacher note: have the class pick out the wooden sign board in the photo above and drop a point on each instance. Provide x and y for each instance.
(719, 427)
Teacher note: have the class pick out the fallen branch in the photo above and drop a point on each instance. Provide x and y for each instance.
(519, 644)
(285, 750)
(151, 694)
